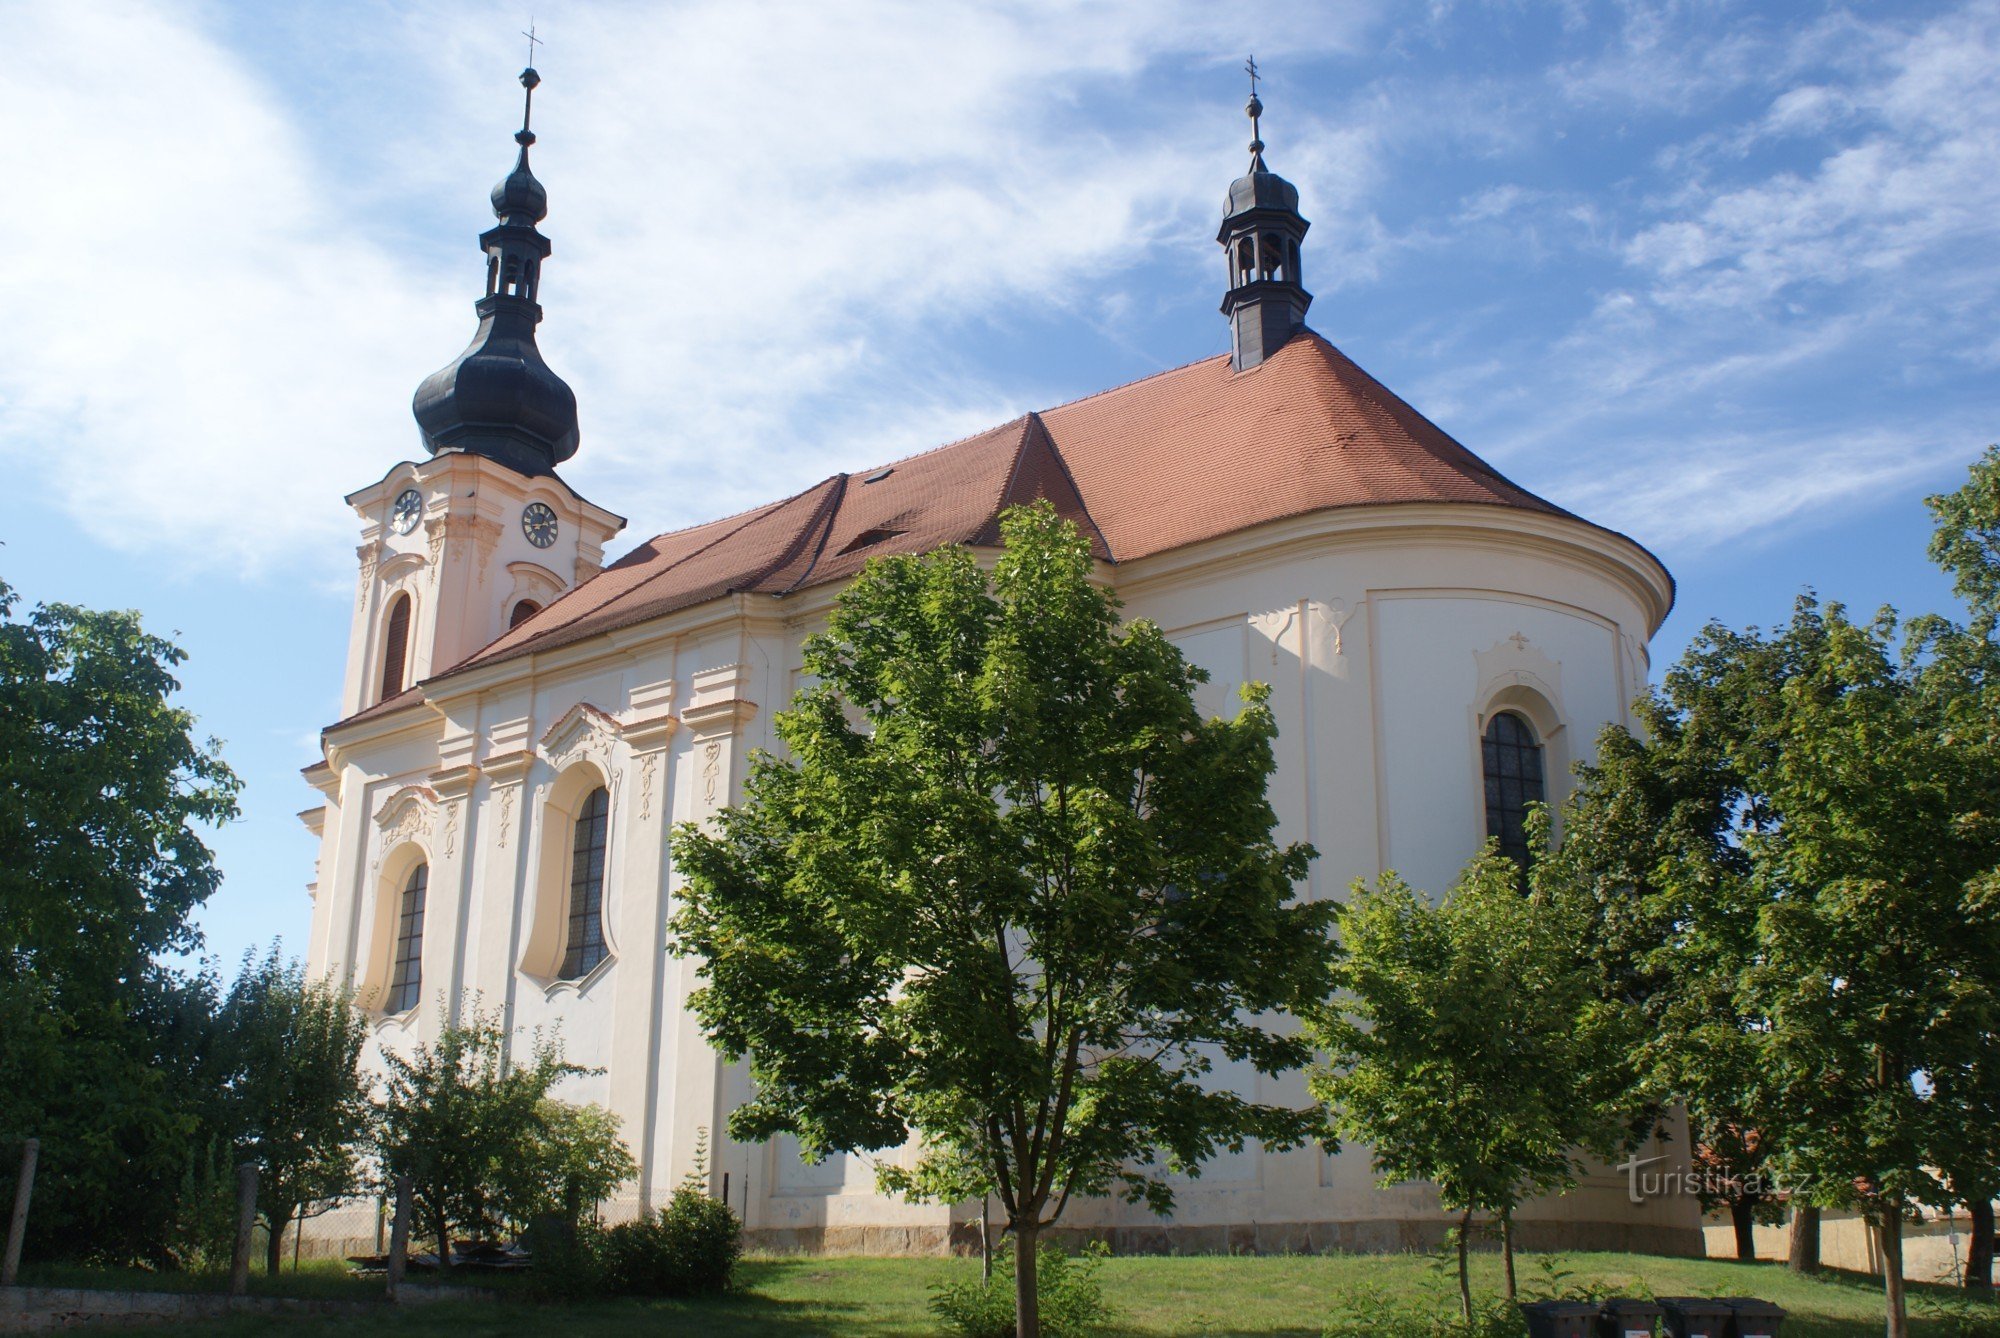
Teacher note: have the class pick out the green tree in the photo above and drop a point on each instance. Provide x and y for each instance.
(103, 792)
(1009, 892)
(296, 1101)
(1465, 1046)
(572, 1159)
(457, 1116)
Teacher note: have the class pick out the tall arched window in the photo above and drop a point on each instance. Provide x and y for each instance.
(523, 611)
(406, 983)
(1513, 757)
(395, 646)
(586, 886)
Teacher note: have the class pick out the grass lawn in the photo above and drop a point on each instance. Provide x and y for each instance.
(1153, 1296)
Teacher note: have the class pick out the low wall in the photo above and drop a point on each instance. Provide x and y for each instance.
(1387, 1236)
(1933, 1249)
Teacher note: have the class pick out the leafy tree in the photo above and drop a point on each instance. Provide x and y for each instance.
(1965, 539)
(103, 789)
(1009, 892)
(296, 1100)
(457, 1115)
(1466, 1047)
(1830, 909)
(572, 1159)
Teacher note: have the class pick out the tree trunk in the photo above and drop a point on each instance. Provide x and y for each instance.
(1743, 1216)
(1889, 1231)
(1464, 1280)
(1804, 1254)
(1979, 1252)
(1507, 1251)
(986, 1239)
(444, 1244)
(274, 1248)
(1027, 1301)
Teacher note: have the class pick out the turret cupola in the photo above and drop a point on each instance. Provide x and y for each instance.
(1260, 235)
(499, 399)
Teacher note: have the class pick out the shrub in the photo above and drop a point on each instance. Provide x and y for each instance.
(689, 1248)
(1374, 1312)
(1072, 1299)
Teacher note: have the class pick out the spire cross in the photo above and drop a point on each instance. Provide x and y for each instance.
(1256, 109)
(533, 41)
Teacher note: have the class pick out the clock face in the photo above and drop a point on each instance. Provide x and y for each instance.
(538, 522)
(408, 510)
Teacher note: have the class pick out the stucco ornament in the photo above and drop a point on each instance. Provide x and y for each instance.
(648, 764)
(584, 734)
(408, 815)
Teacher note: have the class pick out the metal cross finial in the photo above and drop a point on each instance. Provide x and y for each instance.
(1255, 107)
(533, 41)
(1250, 68)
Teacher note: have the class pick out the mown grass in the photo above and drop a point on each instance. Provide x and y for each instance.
(887, 1298)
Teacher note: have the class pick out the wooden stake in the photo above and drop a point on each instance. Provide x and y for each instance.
(17, 1229)
(246, 1223)
(399, 1236)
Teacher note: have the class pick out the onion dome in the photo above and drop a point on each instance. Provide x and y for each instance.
(498, 398)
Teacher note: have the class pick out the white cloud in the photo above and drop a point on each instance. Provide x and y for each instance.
(766, 218)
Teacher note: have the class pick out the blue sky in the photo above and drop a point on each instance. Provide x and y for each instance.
(1720, 275)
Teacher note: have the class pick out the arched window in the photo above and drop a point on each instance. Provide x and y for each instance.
(523, 611)
(395, 646)
(586, 886)
(1513, 757)
(406, 983)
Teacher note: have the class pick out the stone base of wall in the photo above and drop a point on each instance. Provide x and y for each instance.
(1386, 1236)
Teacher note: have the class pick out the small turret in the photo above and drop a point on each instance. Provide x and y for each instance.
(1260, 235)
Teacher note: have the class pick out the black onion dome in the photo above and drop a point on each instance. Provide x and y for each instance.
(498, 398)
(1261, 189)
(519, 197)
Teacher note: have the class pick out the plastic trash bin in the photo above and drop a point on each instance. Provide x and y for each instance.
(1628, 1317)
(1560, 1319)
(1697, 1317)
(1755, 1318)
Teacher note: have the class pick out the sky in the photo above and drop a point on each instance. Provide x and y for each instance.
(1718, 274)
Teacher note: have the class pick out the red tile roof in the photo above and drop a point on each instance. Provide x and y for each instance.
(1176, 458)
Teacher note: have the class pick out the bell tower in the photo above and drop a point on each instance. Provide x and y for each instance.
(477, 539)
(1261, 235)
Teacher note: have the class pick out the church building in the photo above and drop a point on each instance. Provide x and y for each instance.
(523, 723)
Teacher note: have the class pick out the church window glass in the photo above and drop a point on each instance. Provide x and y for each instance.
(395, 646)
(1513, 758)
(406, 983)
(586, 887)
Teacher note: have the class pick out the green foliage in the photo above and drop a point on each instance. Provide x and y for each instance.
(295, 1100)
(688, 1248)
(1072, 1296)
(1379, 1312)
(103, 790)
(1009, 892)
(571, 1159)
(459, 1118)
(1960, 1315)
(1966, 540)
(1465, 1045)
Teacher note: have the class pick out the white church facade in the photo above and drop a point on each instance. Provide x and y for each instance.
(523, 724)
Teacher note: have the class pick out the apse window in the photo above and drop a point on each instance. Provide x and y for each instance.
(585, 943)
(1513, 758)
(406, 982)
